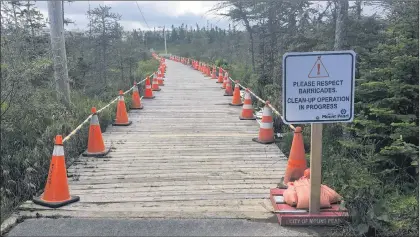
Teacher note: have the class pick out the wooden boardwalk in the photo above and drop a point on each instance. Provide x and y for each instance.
(186, 155)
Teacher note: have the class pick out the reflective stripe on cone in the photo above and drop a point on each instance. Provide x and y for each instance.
(266, 133)
(247, 109)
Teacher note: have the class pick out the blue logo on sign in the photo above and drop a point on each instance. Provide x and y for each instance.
(343, 111)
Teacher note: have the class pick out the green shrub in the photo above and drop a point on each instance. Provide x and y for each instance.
(28, 137)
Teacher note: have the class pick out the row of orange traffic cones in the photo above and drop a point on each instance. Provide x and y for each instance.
(297, 161)
(56, 191)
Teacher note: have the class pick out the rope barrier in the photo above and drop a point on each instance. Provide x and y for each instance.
(262, 101)
(275, 111)
(101, 109)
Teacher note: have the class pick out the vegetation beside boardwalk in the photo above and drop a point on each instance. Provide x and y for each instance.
(31, 116)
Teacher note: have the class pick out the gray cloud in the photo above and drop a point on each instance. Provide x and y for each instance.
(155, 13)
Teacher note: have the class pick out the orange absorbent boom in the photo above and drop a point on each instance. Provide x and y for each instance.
(298, 194)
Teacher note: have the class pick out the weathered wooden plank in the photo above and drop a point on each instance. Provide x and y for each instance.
(112, 197)
(170, 167)
(141, 187)
(121, 162)
(185, 176)
(132, 193)
(182, 206)
(160, 214)
(169, 183)
(183, 179)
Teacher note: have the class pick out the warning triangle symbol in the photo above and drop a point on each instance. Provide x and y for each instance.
(318, 70)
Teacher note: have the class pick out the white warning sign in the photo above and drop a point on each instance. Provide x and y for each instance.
(318, 87)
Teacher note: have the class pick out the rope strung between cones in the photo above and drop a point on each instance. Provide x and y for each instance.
(100, 110)
(263, 101)
(275, 111)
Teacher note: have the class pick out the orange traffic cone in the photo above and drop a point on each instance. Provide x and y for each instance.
(296, 165)
(205, 70)
(96, 146)
(160, 79)
(247, 110)
(162, 75)
(213, 73)
(162, 72)
(155, 85)
(135, 98)
(266, 134)
(225, 79)
(122, 116)
(220, 79)
(228, 91)
(236, 99)
(148, 93)
(56, 191)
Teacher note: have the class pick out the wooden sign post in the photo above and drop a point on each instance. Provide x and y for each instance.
(315, 165)
(318, 87)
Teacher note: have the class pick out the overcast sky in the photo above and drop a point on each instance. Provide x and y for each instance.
(156, 13)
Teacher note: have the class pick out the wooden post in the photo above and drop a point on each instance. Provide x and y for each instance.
(316, 162)
(164, 36)
(59, 51)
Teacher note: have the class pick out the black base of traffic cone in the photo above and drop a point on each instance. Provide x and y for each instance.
(100, 154)
(262, 142)
(141, 107)
(242, 118)
(39, 201)
(122, 124)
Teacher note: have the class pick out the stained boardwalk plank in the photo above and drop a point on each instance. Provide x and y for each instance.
(186, 155)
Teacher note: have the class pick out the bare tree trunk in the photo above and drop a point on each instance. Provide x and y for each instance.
(62, 10)
(247, 24)
(122, 66)
(358, 9)
(90, 22)
(59, 51)
(273, 42)
(130, 78)
(14, 14)
(31, 25)
(341, 11)
(103, 63)
(251, 37)
(341, 24)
